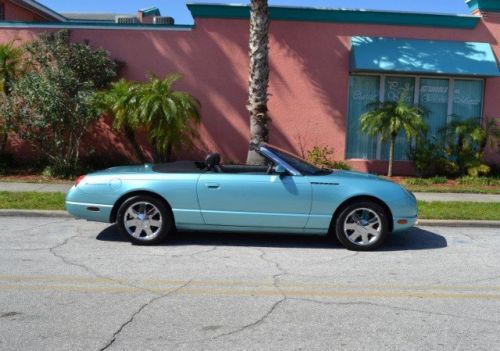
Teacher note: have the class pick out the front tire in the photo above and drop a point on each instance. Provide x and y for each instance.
(362, 226)
(144, 220)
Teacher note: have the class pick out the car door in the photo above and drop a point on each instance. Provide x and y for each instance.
(254, 200)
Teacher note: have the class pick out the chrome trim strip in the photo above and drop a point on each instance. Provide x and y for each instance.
(269, 154)
(87, 204)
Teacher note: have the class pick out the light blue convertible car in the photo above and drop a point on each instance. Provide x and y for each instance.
(289, 195)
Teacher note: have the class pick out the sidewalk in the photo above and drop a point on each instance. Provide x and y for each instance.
(447, 197)
(38, 187)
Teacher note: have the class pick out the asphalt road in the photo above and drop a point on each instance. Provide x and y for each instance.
(74, 285)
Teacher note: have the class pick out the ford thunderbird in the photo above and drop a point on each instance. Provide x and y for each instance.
(287, 195)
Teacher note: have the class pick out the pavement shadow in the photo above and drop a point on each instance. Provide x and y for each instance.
(413, 239)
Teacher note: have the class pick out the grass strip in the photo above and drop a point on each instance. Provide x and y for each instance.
(427, 210)
(488, 211)
(31, 200)
(465, 189)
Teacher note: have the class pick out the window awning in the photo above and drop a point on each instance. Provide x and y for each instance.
(376, 54)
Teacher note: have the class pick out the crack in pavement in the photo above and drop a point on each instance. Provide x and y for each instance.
(87, 269)
(195, 253)
(138, 311)
(266, 315)
(398, 308)
(270, 311)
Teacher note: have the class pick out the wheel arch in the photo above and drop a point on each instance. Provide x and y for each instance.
(358, 198)
(124, 197)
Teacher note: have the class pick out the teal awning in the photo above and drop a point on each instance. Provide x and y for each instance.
(375, 54)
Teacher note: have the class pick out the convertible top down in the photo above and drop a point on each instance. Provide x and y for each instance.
(287, 195)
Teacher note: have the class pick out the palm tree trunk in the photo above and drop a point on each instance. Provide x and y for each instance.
(4, 140)
(130, 133)
(169, 152)
(259, 77)
(391, 155)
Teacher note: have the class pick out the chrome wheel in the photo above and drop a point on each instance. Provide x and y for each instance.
(362, 226)
(143, 220)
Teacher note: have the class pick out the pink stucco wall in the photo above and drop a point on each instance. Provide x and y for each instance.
(17, 13)
(308, 83)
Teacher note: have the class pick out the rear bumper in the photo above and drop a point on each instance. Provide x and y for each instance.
(91, 212)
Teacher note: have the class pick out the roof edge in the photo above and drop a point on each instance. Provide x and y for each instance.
(35, 5)
(95, 25)
(483, 5)
(308, 14)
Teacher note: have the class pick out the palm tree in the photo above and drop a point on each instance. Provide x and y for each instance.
(10, 65)
(259, 76)
(10, 69)
(170, 117)
(121, 101)
(389, 118)
(466, 141)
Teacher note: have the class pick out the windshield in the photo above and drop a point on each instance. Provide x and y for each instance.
(296, 162)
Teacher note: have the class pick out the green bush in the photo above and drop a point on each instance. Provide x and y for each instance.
(341, 165)
(322, 157)
(479, 181)
(430, 160)
(55, 103)
(417, 181)
(438, 180)
(457, 150)
(425, 181)
(6, 162)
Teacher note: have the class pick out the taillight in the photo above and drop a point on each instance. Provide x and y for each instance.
(79, 179)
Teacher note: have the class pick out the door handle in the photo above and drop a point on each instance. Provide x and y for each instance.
(212, 185)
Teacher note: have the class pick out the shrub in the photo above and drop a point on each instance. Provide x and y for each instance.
(416, 181)
(479, 181)
(457, 150)
(322, 157)
(464, 144)
(438, 180)
(6, 162)
(169, 117)
(54, 104)
(430, 160)
(11, 59)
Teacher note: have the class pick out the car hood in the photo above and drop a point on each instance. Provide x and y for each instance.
(353, 174)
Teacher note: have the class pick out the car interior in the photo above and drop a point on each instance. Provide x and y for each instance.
(211, 164)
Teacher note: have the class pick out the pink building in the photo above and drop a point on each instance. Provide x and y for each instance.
(326, 65)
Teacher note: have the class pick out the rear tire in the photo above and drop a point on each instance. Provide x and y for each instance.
(145, 220)
(362, 226)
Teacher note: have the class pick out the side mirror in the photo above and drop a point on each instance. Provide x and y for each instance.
(280, 170)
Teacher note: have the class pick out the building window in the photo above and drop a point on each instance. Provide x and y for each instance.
(434, 97)
(445, 99)
(2, 11)
(467, 99)
(363, 91)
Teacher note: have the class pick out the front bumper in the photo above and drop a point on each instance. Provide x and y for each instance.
(410, 222)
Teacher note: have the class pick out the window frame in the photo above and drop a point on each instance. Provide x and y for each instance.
(416, 99)
(2, 11)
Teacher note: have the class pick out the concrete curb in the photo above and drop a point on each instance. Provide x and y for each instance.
(34, 213)
(421, 222)
(457, 223)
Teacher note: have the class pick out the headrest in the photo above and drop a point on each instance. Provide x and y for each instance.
(212, 160)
